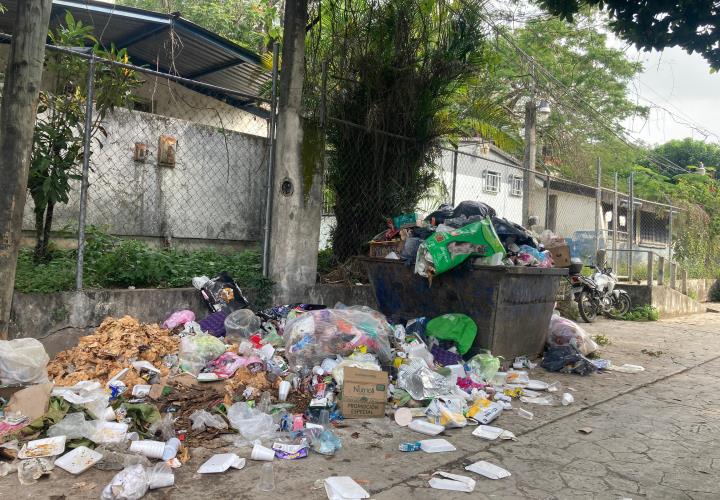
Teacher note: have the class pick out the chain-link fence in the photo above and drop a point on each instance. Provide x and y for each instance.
(636, 242)
(177, 162)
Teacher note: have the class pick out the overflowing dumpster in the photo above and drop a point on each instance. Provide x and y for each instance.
(511, 305)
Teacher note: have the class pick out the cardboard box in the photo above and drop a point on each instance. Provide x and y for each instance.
(560, 254)
(364, 393)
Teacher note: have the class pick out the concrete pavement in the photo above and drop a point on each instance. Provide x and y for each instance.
(655, 435)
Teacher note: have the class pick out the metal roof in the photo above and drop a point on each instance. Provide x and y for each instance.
(193, 52)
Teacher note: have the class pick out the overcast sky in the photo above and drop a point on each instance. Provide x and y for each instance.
(683, 85)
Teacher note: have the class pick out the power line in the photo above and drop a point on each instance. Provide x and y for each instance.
(623, 135)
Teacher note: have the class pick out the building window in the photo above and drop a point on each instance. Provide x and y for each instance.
(516, 185)
(492, 182)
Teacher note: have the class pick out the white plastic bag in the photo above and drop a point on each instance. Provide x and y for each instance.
(203, 418)
(252, 423)
(23, 361)
(565, 332)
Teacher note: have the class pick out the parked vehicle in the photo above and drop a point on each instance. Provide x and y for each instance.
(596, 294)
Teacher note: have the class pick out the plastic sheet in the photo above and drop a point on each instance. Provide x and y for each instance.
(316, 335)
(252, 423)
(23, 361)
(88, 394)
(566, 332)
(198, 350)
(73, 426)
(201, 419)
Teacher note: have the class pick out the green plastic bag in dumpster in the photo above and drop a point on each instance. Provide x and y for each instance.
(449, 250)
(456, 327)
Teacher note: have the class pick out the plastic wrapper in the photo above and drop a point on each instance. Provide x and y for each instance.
(133, 482)
(88, 394)
(421, 382)
(326, 443)
(566, 332)
(23, 361)
(226, 365)
(483, 366)
(73, 426)
(198, 350)
(252, 423)
(448, 414)
(316, 335)
(201, 419)
(165, 427)
(178, 318)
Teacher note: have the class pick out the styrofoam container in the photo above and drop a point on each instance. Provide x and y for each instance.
(78, 460)
(110, 432)
(425, 427)
(487, 432)
(47, 447)
(221, 462)
(436, 446)
(260, 452)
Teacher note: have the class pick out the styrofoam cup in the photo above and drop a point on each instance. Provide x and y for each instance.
(284, 390)
(147, 448)
(109, 414)
(162, 479)
(171, 449)
(259, 452)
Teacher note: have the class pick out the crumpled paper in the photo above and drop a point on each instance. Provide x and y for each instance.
(421, 382)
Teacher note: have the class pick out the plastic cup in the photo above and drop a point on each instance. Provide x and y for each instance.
(261, 453)
(109, 414)
(267, 478)
(524, 414)
(284, 390)
(161, 476)
(171, 449)
(147, 448)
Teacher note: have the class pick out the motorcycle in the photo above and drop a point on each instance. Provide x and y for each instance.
(597, 294)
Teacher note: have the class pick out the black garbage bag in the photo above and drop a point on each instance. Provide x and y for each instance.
(444, 211)
(410, 249)
(470, 208)
(567, 359)
(509, 232)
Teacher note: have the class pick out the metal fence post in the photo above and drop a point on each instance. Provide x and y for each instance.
(547, 203)
(631, 223)
(454, 175)
(271, 162)
(598, 207)
(87, 136)
(615, 224)
(670, 233)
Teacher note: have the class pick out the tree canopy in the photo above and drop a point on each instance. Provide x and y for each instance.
(693, 25)
(690, 153)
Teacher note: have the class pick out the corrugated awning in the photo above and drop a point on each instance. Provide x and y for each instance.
(163, 42)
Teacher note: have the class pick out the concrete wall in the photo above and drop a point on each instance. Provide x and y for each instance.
(215, 191)
(59, 319)
(668, 302)
(701, 288)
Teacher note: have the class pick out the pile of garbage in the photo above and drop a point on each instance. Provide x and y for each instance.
(137, 398)
(471, 231)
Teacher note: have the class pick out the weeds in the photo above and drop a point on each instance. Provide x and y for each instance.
(601, 340)
(642, 313)
(117, 263)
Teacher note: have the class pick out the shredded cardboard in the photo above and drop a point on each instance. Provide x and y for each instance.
(113, 346)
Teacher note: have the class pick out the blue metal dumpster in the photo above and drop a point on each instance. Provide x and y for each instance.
(511, 305)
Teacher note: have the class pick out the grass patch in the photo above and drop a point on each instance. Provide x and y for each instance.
(112, 262)
(642, 313)
(601, 340)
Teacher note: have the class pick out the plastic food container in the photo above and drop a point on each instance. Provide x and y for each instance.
(78, 460)
(436, 446)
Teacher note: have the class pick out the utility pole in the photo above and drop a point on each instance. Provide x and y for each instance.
(530, 155)
(23, 78)
(296, 208)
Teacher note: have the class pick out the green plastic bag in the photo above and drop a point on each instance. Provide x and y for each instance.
(449, 250)
(456, 327)
(484, 365)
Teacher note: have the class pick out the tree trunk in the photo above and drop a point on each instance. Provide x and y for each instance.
(46, 230)
(296, 209)
(39, 224)
(23, 78)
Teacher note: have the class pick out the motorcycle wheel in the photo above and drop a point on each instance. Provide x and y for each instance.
(622, 306)
(587, 307)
